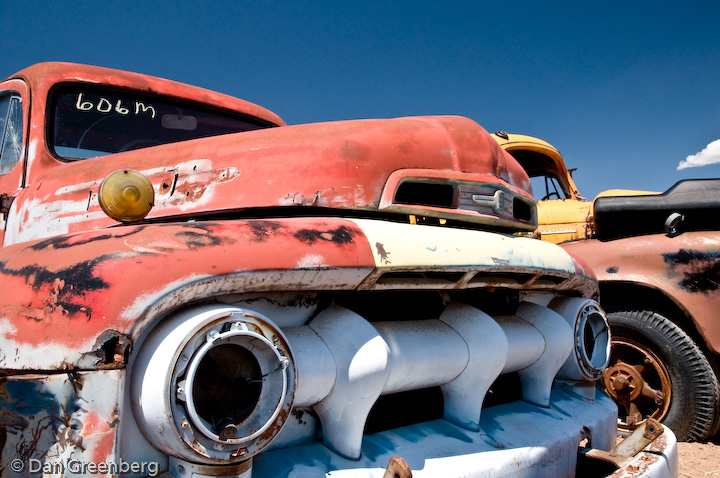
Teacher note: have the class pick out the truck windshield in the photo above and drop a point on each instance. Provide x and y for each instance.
(87, 121)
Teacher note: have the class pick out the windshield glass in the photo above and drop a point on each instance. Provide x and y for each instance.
(11, 132)
(547, 186)
(88, 121)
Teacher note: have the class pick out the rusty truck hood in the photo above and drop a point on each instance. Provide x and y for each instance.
(346, 165)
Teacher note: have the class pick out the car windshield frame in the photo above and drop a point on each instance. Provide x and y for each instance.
(87, 121)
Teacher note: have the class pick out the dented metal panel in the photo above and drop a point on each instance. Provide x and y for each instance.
(49, 422)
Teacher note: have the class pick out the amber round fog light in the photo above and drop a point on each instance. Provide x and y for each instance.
(126, 196)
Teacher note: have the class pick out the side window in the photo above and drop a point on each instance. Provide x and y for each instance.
(11, 128)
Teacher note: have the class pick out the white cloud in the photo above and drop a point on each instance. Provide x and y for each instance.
(709, 155)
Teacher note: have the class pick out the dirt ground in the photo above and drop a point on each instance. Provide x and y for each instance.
(699, 460)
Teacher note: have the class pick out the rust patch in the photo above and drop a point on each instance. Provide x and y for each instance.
(81, 275)
(76, 381)
(115, 418)
(353, 150)
(397, 468)
(62, 286)
(268, 435)
(111, 350)
(263, 230)
(28, 419)
(341, 236)
(29, 448)
(298, 415)
(198, 240)
(65, 242)
(69, 435)
(382, 253)
(699, 271)
(644, 460)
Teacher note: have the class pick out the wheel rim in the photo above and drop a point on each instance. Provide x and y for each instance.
(639, 383)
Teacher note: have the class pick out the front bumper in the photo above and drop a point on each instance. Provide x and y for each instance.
(659, 459)
(516, 439)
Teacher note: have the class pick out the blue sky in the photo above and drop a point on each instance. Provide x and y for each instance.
(625, 90)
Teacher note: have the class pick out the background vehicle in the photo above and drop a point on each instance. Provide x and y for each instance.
(191, 287)
(656, 257)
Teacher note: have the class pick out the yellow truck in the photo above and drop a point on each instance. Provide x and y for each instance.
(657, 259)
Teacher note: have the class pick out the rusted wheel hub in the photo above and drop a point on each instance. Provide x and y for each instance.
(638, 382)
(623, 382)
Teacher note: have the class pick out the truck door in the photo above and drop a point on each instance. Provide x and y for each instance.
(13, 125)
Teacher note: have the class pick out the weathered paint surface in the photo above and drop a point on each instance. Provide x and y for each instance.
(561, 220)
(67, 281)
(80, 291)
(475, 252)
(656, 460)
(505, 445)
(50, 420)
(686, 268)
(251, 170)
(109, 280)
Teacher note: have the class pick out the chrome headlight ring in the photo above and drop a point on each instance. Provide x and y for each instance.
(213, 384)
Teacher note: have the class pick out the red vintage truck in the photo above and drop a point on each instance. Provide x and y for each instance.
(192, 288)
(657, 258)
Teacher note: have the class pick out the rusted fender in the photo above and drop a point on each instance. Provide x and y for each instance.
(75, 301)
(341, 165)
(686, 268)
(79, 301)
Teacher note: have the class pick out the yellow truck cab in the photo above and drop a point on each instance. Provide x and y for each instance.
(563, 214)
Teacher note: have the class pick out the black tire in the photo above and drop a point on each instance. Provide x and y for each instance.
(693, 412)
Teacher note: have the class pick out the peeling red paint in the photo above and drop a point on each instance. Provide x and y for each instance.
(229, 173)
(79, 274)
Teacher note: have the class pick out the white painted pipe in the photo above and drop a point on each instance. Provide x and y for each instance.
(540, 342)
(488, 346)
(526, 343)
(344, 363)
(361, 359)
(463, 352)
(315, 365)
(423, 354)
(537, 378)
